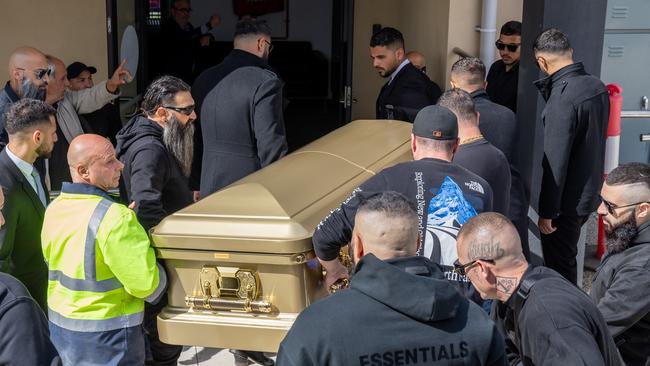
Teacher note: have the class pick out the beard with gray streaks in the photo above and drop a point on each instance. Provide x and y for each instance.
(30, 90)
(179, 141)
(619, 238)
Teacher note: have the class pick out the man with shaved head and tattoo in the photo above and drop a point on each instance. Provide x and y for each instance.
(546, 319)
(621, 287)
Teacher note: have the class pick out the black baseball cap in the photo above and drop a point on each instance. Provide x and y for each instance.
(436, 122)
(76, 68)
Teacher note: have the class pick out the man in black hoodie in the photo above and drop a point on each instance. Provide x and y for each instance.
(399, 309)
(156, 150)
(575, 124)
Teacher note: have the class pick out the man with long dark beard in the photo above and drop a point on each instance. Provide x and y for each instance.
(156, 148)
(28, 77)
(621, 286)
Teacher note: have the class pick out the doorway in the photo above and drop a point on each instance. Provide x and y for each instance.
(312, 54)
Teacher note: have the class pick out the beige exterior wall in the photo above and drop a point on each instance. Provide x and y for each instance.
(432, 27)
(73, 30)
(365, 80)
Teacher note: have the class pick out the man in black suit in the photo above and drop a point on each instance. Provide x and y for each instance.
(31, 127)
(408, 90)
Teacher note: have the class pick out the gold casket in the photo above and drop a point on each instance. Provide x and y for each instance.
(240, 262)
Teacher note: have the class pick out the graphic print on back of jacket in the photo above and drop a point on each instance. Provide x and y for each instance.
(446, 196)
(448, 210)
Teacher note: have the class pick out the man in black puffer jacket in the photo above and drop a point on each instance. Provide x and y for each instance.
(156, 149)
(399, 309)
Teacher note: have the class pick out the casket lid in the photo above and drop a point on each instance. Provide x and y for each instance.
(276, 209)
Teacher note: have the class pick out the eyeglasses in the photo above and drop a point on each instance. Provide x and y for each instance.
(183, 110)
(612, 207)
(512, 47)
(270, 45)
(462, 269)
(40, 73)
(183, 10)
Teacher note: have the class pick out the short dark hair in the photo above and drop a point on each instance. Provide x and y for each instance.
(26, 114)
(630, 173)
(459, 102)
(391, 204)
(162, 91)
(386, 37)
(251, 26)
(473, 67)
(511, 28)
(552, 41)
(445, 146)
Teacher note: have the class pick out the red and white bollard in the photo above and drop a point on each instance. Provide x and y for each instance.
(611, 149)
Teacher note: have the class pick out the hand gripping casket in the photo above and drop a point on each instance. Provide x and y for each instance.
(240, 262)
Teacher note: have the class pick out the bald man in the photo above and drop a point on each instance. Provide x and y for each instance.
(547, 319)
(69, 104)
(399, 309)
(101, 265)
(417, 60)
(28, 77)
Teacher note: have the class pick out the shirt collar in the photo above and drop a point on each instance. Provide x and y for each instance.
(11, 93)
(400, 67)
(24, 167)
(83, 188)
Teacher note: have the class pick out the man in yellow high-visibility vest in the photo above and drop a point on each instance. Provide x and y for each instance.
(101, 264)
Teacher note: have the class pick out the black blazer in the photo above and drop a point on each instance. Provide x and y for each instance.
(410, 91)
(21, 254)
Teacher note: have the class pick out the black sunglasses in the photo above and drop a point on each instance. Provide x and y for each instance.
(270, 45)
(40, 73)
(461, 269)
(183, 110)
(612, 207)
(511, 47)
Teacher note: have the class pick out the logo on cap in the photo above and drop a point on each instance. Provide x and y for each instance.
(437, 134)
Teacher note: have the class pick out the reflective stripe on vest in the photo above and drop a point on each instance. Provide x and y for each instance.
(90, 282)
(92, 325)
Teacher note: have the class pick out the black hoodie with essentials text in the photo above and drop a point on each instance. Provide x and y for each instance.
(396, 312)
(151, 177)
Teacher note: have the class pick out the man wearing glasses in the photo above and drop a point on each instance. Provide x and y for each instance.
(156, 150)
(399, 309)
(621, 286)
(546, 319)
(179, 35)
(28, 77)
(503, 77)
(239, 104)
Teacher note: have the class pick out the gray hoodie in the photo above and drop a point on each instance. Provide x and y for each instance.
(397, 312)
